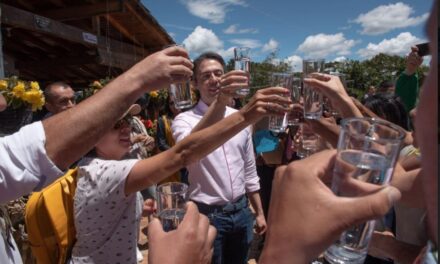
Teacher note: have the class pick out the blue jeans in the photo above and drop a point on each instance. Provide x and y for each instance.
(234, 234)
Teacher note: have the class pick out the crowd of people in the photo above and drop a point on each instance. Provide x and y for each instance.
(210, 147)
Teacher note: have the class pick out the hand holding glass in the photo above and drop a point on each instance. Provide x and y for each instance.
(171, 202)
(181, 91)
(367, 152)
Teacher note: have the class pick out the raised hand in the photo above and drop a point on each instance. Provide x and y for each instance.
(267, 102)
(190, 243)
(305, 217)
(160, 69)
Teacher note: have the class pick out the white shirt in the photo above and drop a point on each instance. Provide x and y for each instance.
(24, 167)
(24, 164)
(225, 174)
(106, 221)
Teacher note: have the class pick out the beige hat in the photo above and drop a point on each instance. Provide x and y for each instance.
(134, 109)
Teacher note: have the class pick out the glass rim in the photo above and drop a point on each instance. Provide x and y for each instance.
(159, 188)
(401, 131)
(281, 73)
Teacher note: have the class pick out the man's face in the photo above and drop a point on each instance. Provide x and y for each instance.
(63, 98)
(208, 80)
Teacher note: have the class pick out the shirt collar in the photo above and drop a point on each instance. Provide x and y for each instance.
(202, 107)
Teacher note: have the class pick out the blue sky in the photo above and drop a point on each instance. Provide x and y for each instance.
(334, 30)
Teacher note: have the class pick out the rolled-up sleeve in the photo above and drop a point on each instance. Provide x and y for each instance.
(24, 164)
(252, 182)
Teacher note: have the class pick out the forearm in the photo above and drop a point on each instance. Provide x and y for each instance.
(346, 107)
(255, 199)
(191, 149)
(82, 126)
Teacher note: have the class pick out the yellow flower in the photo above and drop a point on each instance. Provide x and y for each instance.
(35, 98)
(154, 94)
(35, 86)
(3, 85)
(97, 85)
(18, 90)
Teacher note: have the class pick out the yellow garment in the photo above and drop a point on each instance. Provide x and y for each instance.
(50, 222)
(175, 177)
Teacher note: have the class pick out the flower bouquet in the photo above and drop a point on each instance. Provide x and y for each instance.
(23, 98)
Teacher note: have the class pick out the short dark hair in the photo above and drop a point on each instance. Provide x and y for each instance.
(383, 86)
(207, 56)
(389, 107)
(48, 95)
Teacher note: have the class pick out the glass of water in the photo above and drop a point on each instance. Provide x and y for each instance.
(367, 152)
(309, 141)
(280, 79)
(312, 99)
(242, 62)
(171, 201)
(181, 91)
(295, 116)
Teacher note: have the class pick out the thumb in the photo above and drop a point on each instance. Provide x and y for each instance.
(155, 231)
(362, 209)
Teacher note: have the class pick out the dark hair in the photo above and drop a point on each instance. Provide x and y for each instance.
(383, 86)
(207, 56)
(48, 94)
(390, 108)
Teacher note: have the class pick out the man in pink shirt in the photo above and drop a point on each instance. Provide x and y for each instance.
(222, 182)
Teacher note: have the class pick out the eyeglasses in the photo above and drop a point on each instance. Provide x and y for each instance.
(125, 121)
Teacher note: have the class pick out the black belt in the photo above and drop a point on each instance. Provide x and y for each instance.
(228, 208)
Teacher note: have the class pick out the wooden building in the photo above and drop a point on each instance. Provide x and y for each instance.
(76, 41)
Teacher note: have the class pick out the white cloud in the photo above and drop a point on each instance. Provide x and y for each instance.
(270, 46)
(234, 29)
(295, 62)
(399, 45)
(202, 40)
(250, 43)
(385, 18)
(322, 45)
(212, 10)
(340, 59)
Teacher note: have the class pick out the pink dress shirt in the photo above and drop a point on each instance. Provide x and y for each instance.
(225, 174)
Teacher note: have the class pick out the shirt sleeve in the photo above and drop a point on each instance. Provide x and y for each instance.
(24, 164)
(252, 182)
(180, 127)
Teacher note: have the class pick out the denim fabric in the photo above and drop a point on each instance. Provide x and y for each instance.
(234, 236)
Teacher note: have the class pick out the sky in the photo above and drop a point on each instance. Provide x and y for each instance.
(335, 30)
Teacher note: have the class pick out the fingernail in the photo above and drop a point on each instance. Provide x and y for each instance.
(393, 195)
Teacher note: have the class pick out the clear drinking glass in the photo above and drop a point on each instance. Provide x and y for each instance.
(279, 123)
(171, 200)
(242, 62)
(309, 141)
(295, 116)
(312, 99)
(367, 152)
(181, 91)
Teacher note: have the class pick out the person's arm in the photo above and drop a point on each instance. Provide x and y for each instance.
(197, 145)
(332, 87)
(260, 225)
(384, 245)
(327, 129)
(161, 135)
(319, 217)
(228, 84)
(83, 125)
